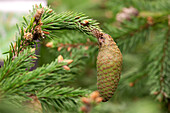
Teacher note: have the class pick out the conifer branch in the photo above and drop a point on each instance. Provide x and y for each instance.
(67, 20)
(158, 68)
(16, 79)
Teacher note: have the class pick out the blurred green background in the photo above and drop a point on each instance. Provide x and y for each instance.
(130, 97)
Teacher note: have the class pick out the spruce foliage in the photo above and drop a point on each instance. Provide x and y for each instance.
(144, 40)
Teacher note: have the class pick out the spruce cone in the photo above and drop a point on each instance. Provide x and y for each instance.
(109, 62)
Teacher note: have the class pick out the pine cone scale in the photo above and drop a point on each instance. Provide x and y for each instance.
(109, 63)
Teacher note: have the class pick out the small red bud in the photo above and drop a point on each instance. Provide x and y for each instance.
(84, 109)
(49, 44)
(94, 95)
(45, 32)
(86, 47)
(85, 100)
(131, 84)
(155, 93)
(60, 58)
(69, 61)
(59, 48)
(85, 23)
(99, 99)
(68, 49)
(34, 57)
(150, 20)
(66, 68)
(50, 11)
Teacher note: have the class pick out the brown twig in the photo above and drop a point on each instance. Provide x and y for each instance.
(162, 64)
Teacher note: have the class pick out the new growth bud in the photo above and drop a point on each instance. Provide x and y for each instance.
(94, 95)
(91, 101)
(66, 67)
(60, 58)
(49, 44)
(68, 61)
(59, 48)
(85, 100)
(28, 36)
(99, 99)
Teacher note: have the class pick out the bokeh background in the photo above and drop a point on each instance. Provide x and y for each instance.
(133, 94)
